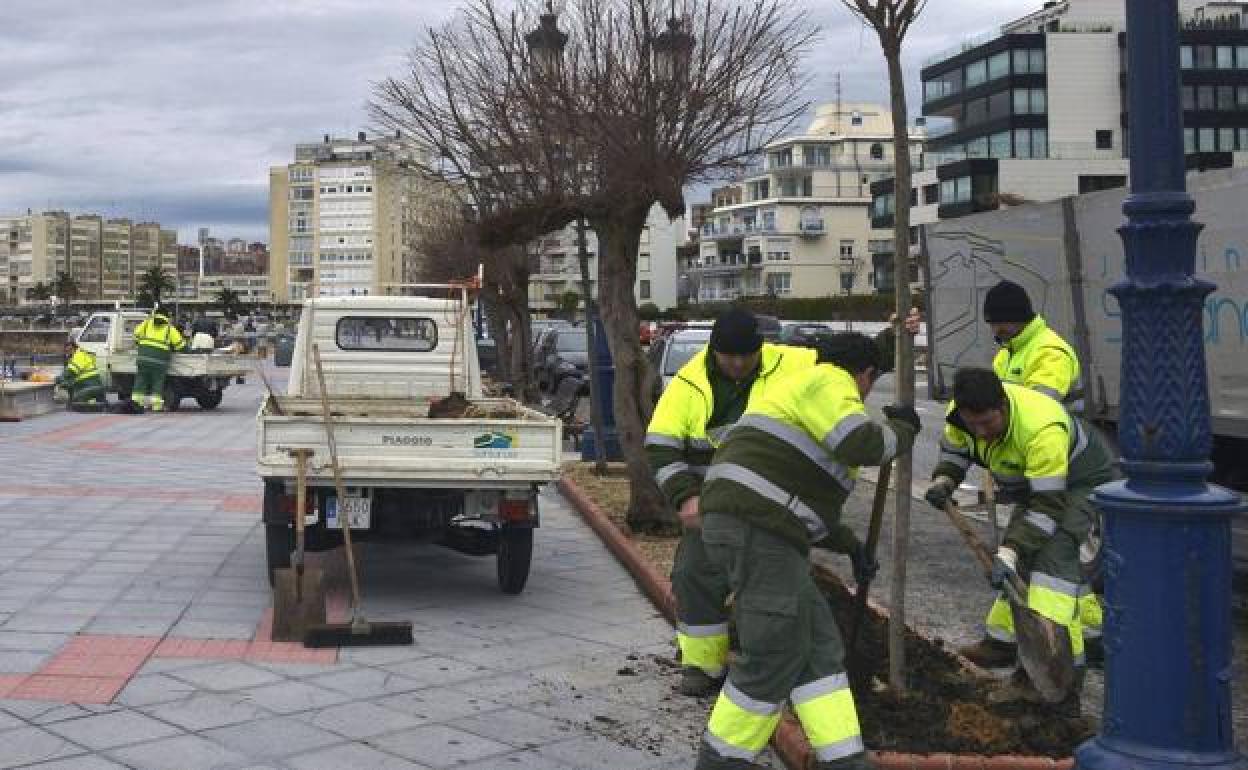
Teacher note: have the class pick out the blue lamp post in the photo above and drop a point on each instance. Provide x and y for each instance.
(1167, 547)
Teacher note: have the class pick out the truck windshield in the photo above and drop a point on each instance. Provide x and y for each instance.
(679, 353)
(571, 342)
(412, 335)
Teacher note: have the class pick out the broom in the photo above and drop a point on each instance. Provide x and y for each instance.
(359, 632)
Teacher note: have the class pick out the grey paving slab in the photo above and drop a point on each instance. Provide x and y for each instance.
(21, 662)
(517, 727)
(28, 745)
(83, 762)
(204, 711)
(232, 675)
(270, 738)
(287, 697)
(212, 629)
(439, 745)
(185, 752)
(360, 720)
(40, 623)
(435, 670)
(150, 688)
(350, 756)
(366, 682)
(438, 704)
(106, 731)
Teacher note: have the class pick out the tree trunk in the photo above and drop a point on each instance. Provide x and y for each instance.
(498, 324)
(595, 403)
(618, 239)
(904, 469)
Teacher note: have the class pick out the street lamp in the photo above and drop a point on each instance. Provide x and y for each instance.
(546, 43)
(1167, 550)
(673, 50)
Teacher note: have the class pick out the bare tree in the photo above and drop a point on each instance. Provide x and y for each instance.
(603, 121)
(891, 20)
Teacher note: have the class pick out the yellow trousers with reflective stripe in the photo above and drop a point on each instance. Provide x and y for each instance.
(1053, 599)
(790, 650)
(701, 590)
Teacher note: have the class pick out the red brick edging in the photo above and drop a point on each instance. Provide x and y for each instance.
(789, 741)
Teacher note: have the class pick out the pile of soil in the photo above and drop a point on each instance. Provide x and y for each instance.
(456, 406)
(946, 708)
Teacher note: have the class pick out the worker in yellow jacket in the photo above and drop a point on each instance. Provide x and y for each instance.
(82, 377)
(157, 340)
(695, 412)
(775, 489)
(1049, 463)
(1036, 357)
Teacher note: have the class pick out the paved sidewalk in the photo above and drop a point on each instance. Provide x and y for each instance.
(134, 610)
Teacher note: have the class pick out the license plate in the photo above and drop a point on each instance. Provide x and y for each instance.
(358, 510)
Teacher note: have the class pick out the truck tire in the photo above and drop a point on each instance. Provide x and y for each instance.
(209, 399)
(279, 541)
(515, 554)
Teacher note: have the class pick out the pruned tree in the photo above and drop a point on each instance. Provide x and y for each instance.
(603, 121)
(891, 20)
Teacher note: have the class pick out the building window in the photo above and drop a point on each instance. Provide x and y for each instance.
(1241, 97)
(999, 65)
(644, 289)
(1204, 98)
(1226, 98)
(855, 119)
(847, 249)
(955, 190)
(1189, 141)
(1226, 139)
(1241, 57)
(999, 145)
(1204, 57)
(1185, 57)
(976, 73)
(780, 283)
(976, 111)
(1242, 136)
(1189, 97)
(931, 193)
(1030, 101)
(977, 148)
(808, 187)
(877, 151)
(1028, 61)
(643, 263)
(1104, 140)
(1224, 56)
(1208, 140)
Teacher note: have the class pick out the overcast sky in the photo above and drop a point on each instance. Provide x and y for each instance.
(174, 110)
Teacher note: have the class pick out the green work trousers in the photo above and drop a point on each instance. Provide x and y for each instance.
(150, 382)
(790, 650)
(84, 391)
(701, 588)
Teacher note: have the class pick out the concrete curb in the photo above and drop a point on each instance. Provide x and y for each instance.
(789, 742)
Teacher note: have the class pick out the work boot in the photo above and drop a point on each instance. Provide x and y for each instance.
(696, 682)
(709, 759)
(1094, 651)
(990, 653)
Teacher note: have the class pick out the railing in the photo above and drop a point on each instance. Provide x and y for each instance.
(815, 226)
(1054, 151)
(962, 47)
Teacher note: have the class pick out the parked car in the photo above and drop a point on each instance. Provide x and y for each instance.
(803, 332)
(563, 353)
(769, 328)
(670, 353)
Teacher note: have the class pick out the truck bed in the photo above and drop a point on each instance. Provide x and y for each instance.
(187, 364)
(392, 442)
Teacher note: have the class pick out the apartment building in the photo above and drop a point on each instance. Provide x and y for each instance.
(85, 252)
(554, 264)
(116, 257)
(34, 249)
(799, 226)
(251, 289)
(1036, 109)
(337, 219)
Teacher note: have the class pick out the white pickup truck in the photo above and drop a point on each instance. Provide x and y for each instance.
(468, 481)
(201, 376)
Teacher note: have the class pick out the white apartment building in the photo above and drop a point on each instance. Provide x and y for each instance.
(336, 219)
(799, 226)
(251, 289)
(555, 266)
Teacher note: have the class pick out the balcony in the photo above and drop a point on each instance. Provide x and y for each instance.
(718, 295)
(727, 264)
(811, 229)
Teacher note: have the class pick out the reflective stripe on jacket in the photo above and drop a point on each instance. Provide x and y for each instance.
(678, 446)
(791, 460)
(1038, 358)
(157, 339)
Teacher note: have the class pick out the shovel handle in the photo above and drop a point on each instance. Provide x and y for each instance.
(1016, 586)
(873, 541)
(339, 488)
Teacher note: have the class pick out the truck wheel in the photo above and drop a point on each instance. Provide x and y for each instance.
(515, 553)
(209, 399)
(173, 400)
(279, 541)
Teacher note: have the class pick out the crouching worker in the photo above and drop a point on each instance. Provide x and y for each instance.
(82, 378)
(1049, 463)
(775, 489)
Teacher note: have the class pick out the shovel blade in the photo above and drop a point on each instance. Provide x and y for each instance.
(298, 604)
(1044, 652)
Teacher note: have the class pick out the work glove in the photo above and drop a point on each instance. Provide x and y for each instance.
(865, 565)
(940, 492)
(1004, 567)
(906, 414)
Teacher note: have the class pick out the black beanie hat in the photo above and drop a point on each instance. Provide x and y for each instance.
(1007, 302)
(736, 332)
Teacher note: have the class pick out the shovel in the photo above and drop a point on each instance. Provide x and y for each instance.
(298, 592)
(1043, 646)
(873, 541)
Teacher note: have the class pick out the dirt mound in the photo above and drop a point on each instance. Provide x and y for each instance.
(946, 708)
